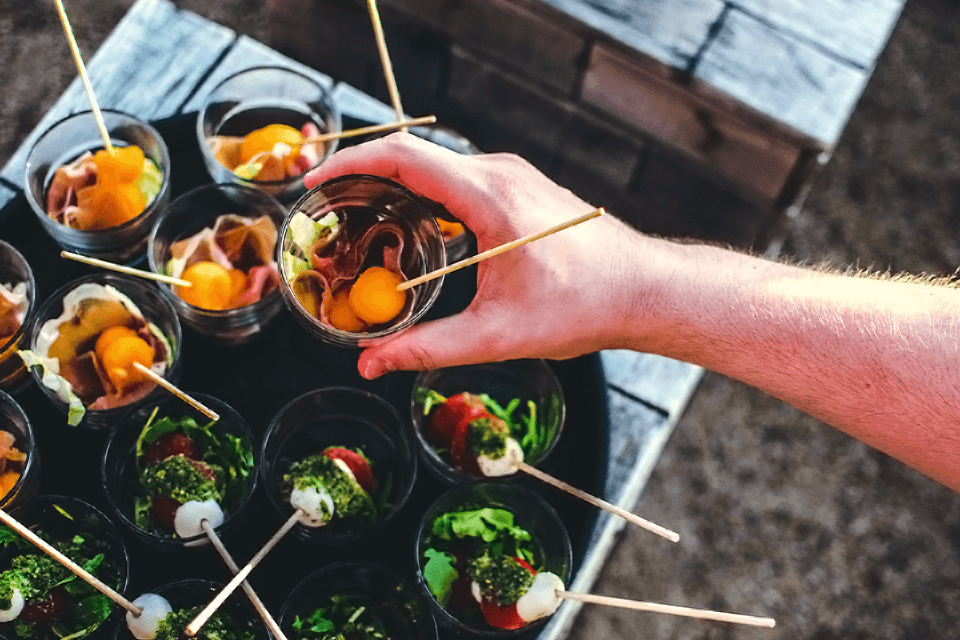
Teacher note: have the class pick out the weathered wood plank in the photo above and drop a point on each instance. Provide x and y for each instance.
(781, 76)
(671, 32)
(244, 54)
(661, 382)
(855, 30)
(148, 66)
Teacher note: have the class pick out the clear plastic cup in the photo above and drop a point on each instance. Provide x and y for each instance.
(156, 310)
(255, 98)
(359, 201)
(67, 140)
(14, 270)
(15, 421)
(340, 417)
(530, 512)
(189, 214)
(62, 518)
(388, 598)
(121, 479)
(526, 380)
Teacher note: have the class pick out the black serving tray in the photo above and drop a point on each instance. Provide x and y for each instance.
(258, 379)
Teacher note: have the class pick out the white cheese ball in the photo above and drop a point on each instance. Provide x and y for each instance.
(16, 606)
(505, 464)
(153, 609)
(346, 469)
(541, 598)
(316, 505)
(191, 513)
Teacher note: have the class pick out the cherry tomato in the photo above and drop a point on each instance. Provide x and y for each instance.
(357, 464)
(445, 417)
(48, 610)
(164, 511)
(505, 617)
(171, 444)
(460, 453)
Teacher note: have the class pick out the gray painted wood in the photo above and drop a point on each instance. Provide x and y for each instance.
(6, 195)
(671, 32)
(359, 105)
(782, 76)
(662, 382)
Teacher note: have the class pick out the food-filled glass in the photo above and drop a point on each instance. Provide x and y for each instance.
(18, 299)
(19, 454)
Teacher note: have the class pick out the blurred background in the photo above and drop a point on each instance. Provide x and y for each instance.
(779, 514)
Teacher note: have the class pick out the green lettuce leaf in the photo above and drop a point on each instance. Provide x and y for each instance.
(439, 574)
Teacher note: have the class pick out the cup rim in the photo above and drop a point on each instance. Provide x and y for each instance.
(31, 293)
(32, 450)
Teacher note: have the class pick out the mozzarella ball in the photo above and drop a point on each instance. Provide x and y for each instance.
(541, 598)
(346, 469)
(153, 609)
(316, 505)
(505, 464)
(187, 520)
(16, 606)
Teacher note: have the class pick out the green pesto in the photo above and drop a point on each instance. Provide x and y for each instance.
(220, 626)
(488, 437)
(320, 472)
(502, 579)
(35, 574)
(177, 478)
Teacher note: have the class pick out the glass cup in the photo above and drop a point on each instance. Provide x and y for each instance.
(255, 98)
(359, 201)
(526, 380)
(66, 141)
(24, 485)
(530, 512)
(14, 271)
(120, 474)
(61, 518)
(155, 309)
(188, 215)
(341, 417)
(196, 594)
(388, 597)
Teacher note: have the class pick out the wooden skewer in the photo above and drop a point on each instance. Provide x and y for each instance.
(374, 128)
(597, 502)
(166, 384)
(82, 573)
(703, 614)
(251, 594)
(194, 627)
(489, 253)
(130, 271)
(385, 60)
(75, 50)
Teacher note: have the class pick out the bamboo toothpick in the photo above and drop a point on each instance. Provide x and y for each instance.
(251, 594)
(385, 60)
(82, 573)
(130, 271)
(75, 50)
(202, 617)
(687, 612)
(374, 128)
(169, 386)
(403, 286)
(598, 502)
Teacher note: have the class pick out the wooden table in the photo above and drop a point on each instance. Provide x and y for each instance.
(161, 62)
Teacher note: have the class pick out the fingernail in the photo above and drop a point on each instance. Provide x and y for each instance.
(375, 368)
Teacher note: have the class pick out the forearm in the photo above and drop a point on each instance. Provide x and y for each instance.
(875, 358)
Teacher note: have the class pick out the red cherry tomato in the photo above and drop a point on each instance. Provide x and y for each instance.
(505, 617)
(357, 464)
(164, 511)
(460, 453)
(445, 417)
(168, 445)
(48, 610)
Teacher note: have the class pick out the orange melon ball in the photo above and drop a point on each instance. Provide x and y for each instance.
(212, 288)
(374, 296)
(341, 314)
(109, 335)
(7, 480)
(119, 357)
(263, 141)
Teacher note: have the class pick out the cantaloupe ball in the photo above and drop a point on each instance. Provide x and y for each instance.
(119, 358)
(374, 296)
(212, 287)
(341, 314)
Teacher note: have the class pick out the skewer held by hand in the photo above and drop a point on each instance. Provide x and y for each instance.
(489, 253)
(130, 271)
(169, 386)
(374, 128)
(385, 60)
(82, 573)
(194, 627)
(687, 612)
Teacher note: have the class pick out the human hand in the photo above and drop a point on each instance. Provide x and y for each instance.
(558, 297)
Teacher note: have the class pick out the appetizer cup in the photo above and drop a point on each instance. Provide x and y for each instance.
(195, 594)
(17, 305)
(526, 381)
(261, 96)
(530, 512)
(156, 311)
(69, 139)
(348, 418)
(360, 202)
(61, 519)
(20, 465)
(190, 214)
(389, 600)
(121, 476)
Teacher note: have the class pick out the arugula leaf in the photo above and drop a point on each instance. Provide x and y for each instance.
(428, 398)
(439, 574)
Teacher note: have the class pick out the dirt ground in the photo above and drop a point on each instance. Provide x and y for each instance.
(779, 514)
